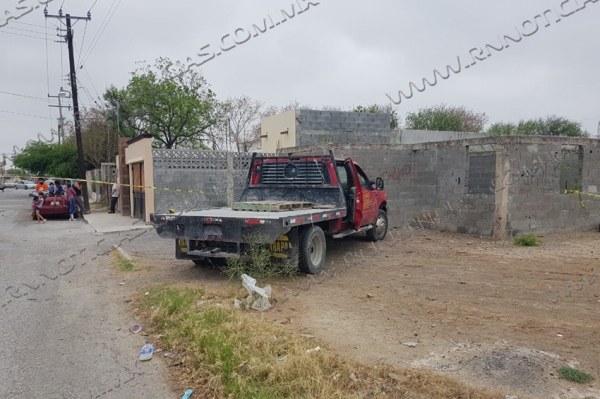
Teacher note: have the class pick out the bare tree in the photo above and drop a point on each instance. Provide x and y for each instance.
(243, 113)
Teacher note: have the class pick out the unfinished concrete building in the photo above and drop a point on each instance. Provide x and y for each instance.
(500, 186)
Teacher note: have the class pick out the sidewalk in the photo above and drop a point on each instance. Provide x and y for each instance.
(103, 222)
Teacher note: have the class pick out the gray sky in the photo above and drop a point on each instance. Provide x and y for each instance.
(339, 52)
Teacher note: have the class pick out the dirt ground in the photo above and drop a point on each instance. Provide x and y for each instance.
(483, 311)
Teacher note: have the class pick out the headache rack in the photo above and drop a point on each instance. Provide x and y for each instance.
(289, 171)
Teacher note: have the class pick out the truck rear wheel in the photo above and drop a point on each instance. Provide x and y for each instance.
(379, 230)
(312, 250)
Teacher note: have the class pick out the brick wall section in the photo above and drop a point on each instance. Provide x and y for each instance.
(430, 181)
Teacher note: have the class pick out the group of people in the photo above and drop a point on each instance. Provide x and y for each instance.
(73, 192)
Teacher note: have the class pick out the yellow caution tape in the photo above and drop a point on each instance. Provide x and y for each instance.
(65, 179)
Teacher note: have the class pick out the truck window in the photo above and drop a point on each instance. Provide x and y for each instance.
(343, 176)
(362, 177)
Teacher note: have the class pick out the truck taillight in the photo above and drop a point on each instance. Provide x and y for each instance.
(254, 221)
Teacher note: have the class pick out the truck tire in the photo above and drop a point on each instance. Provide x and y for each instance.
(312, 250)
(379, 230)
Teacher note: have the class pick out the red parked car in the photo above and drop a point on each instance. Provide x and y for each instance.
(53, 205)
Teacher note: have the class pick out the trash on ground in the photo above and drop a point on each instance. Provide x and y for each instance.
(318, 348)
(200, 303)
(240, 366)
(147, 351)
(353, 377)
(410, 344)
(136, 328)
(369, 295)
(121, 283)
(282, 358)
(170, 355)
(147, 293)
(307, 335)
(187, 394)
(258, 298)
(158, 350)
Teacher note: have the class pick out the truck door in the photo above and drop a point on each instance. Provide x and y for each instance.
(356, 193)
(370, 198)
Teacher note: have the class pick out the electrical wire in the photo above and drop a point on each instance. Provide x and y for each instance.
(19, 34)
(93, 6)
(26, 30)
(101, 33)
(90, 77)
(26, 96)
(24, 23)
(17, 113)
(101, 25)
(47, 58)
(82, 41)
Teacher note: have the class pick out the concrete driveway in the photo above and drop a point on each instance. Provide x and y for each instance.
(64, 333)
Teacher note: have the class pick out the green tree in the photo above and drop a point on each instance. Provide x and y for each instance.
(49, 160)
(173, 104)
(380, 109)
(548, 126)
(446, 118)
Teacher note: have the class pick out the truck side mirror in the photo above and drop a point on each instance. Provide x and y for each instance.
(379, 183)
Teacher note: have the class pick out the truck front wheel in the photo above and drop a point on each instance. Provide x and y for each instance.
(379, 230)
(312, 250)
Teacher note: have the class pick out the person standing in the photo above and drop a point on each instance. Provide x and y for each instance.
(37, 207)
(114, 197)
(71, 197)
(79, 199)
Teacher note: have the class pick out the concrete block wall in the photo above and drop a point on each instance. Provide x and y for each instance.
(527, 174)
(426, 187)
(482, 172)
(308, 120)
(536, 203)
(310, 137)
(211, 183)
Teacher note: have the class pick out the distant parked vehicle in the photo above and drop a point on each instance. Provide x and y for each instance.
(24, 184)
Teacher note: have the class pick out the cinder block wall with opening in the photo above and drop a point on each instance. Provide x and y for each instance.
(493, 185)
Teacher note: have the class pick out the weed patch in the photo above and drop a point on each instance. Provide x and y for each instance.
(121, 263)
(230, 353)
(528, 240)
(259, 264)
(574, 375)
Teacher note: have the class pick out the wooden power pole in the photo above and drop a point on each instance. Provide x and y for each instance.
(73, 76)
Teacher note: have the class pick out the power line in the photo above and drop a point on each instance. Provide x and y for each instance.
(26, 30)
(101, 33)
(17, 113)
(47, 60)
(82, 41)
(23, 23)
(93, 5)
(19, 34)
(26, 96)
(89, 76)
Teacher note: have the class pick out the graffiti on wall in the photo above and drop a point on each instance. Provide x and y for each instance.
(396, 174)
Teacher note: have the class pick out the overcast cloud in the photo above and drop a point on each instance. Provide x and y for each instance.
(339, 52)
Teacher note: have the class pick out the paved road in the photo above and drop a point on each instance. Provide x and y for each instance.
(63, 328)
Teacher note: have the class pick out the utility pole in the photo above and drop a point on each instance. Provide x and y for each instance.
(73, 77)
(61, 120)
